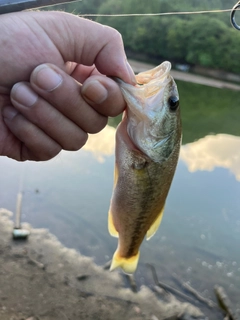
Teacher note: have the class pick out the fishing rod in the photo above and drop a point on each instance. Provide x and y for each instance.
(7, 6)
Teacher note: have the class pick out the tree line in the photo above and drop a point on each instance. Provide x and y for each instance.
(204, 39)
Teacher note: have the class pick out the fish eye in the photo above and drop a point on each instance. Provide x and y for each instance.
(173, 102)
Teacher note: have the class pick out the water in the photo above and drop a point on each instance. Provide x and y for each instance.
(200, 234)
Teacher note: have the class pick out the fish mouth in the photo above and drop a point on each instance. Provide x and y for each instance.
(156, 74)
(153, 80)
(151, 85)
(148, 117)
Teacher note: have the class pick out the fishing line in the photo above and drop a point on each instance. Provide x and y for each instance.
(154, 14)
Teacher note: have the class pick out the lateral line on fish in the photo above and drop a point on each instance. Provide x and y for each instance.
(142, 216)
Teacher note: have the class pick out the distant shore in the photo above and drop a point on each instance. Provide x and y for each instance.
(188, 77)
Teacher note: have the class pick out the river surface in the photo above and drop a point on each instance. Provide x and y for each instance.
(199, 237)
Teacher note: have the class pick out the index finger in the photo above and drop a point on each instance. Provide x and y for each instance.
(87, 42)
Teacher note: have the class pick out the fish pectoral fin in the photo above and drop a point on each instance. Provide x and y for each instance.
(111, 228)
(139, 161)
(153, 229)
(128, 265)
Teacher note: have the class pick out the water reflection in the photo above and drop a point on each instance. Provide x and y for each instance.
(200, 232)
(102, 144)
(213, 151)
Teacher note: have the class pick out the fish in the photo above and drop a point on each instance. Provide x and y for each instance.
(148, 141)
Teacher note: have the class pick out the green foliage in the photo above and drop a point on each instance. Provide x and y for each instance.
(205, 110)
(207, 40)
(205, 47)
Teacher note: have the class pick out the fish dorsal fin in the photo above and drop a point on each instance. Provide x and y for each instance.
(111, 228)
(152, 230)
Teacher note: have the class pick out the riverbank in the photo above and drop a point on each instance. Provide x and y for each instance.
(188, 77)
(42, 280)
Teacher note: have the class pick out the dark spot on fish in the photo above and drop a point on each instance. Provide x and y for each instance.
(139, 165)
(138, 162)
(173, 102)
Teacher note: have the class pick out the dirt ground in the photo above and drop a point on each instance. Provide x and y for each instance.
(42, 280)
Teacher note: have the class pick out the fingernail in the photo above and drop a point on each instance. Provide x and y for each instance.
(95, 92)
(46, 78)
(131, 73)
(9, 113)
(23, 94)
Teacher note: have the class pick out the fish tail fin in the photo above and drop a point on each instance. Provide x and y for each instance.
(128, 265)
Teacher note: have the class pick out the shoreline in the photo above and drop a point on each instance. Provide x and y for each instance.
(185, 76)
(40, 279)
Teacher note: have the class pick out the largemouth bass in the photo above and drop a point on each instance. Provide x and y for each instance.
(147, 148)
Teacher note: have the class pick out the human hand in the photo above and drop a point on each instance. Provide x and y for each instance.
(48, 55)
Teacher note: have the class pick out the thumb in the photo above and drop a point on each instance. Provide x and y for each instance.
(87, 42)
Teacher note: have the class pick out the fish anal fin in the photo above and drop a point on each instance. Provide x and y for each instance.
(128, 265)
(152, 230)
(111, 228)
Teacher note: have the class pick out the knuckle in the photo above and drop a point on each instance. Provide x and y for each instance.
(35, 144)
(38, 153)
(51, 153)
(76, 142)
(98, 125)
(114, 35)
(47, 153)
(118, 36)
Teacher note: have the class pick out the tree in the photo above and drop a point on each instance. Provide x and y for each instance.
(206, 40)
